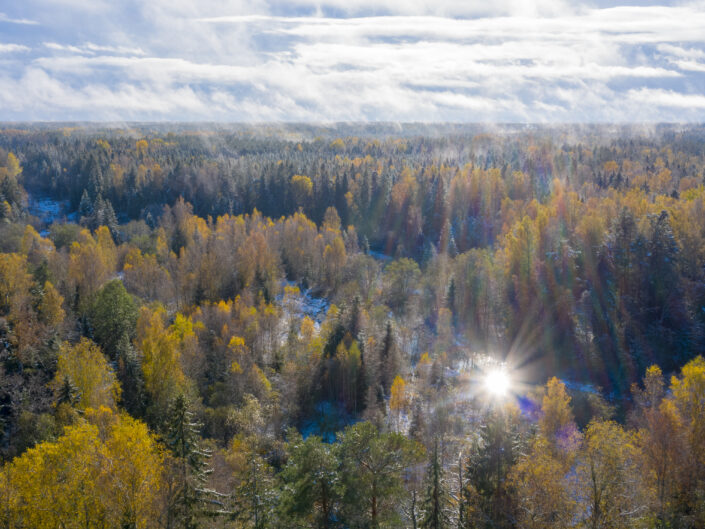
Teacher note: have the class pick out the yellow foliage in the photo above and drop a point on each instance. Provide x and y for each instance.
(337, 144)
(398, 400)
(92, 261)
(689, 399)
(15, 283)
(605, 477)
(308, 328)
(556, 416)
(543, 490)
(12, 166)
(261, 379)
(87, 368)
(104, 144)
(141, 146)
(161, 349)
(236, 343)
(235, 368)
(50, 307)
(302, 187)
(86, 479)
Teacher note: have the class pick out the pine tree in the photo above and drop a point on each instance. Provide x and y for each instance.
(311, 475)
(68, 393)
(256, 495)
(354, 318)
(417, 428)
(362, 381)
(450, 300)
(435, 503)
(191, 500)
(389, 359)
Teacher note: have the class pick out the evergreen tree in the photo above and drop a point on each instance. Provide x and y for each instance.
(450, 300)
(311, 476)
(389, 359)
(256, 495)
(495, 451)
(417, 428)
(112, 315)
(192, 500)
(68, 393)
(362, 381)
(85, 207)
(129, 374)
(436, 502)
(110, 220)
(354, 323)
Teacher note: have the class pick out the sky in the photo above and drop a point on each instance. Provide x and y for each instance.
(547, 61)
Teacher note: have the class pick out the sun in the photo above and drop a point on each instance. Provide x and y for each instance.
(497, 382)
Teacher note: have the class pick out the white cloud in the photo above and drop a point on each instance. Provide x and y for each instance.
(667, 98)
(414, 60)
(22, 21)
(683, 53)
(11, 48)
(91, 49)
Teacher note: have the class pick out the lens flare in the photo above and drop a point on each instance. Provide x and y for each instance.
(497, 383)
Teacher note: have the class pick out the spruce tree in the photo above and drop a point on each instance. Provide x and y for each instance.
(417, 428)
(85, 207)
(110, 220)
(68, 393)
(129, 373)
(435, 503)
(362, 380)
(389, 359)
(192, 499)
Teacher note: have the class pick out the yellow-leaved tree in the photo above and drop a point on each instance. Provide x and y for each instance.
(93, 260)
(51, 311)
(85, 367)
(608, 479)
(162, 347)
(93, 476)
(541, 478)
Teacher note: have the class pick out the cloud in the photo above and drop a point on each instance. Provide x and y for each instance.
(412, 60)
(21, 21)
(11, 48)
(667, 98)
(91, 49)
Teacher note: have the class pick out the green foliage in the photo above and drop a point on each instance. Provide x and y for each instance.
(191, 500)
(578, 254)
(436, 502)
(494, 451)
(373, 464)
(312, 486)
(113, 316)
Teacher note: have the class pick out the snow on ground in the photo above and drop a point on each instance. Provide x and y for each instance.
(329, 418)
(379, 256)
(296, 304)
(577, 386)
(48, 211)
(303, 304)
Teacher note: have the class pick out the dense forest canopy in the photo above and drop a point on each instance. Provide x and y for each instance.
(290, 326)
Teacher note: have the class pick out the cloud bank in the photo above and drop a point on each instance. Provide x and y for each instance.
(363, 60)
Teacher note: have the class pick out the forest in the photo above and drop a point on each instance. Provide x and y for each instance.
(355, 326)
